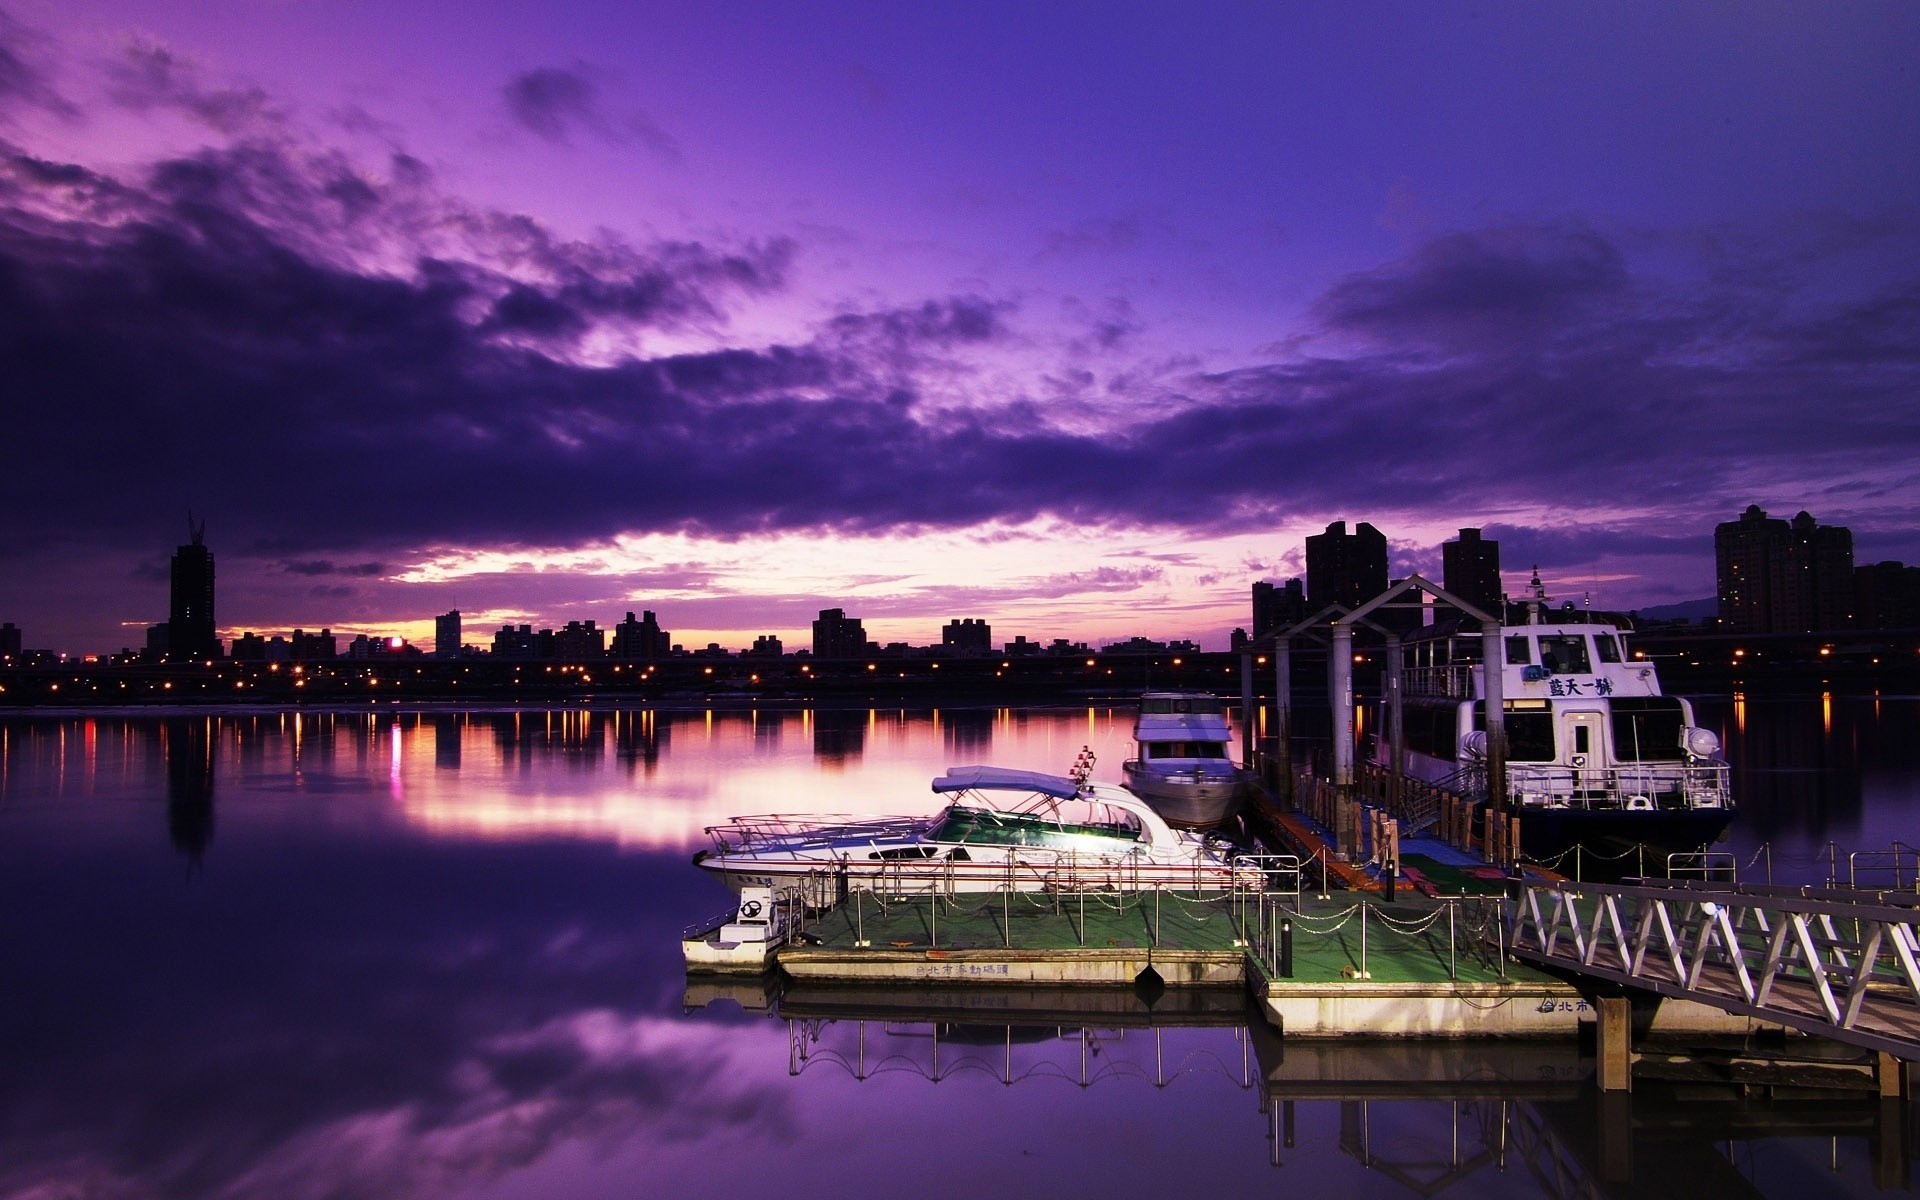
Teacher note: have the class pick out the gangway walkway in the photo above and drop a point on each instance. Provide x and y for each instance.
(1838, 963)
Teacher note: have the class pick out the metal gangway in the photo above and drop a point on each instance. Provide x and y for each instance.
(1839, 963)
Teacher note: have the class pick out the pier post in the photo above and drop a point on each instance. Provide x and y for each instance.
(1615, 1038)
(1340, 670)
(1494, 655)
(1890, 1074)
(1395, 732)
(1246, 708)
(1283, 716)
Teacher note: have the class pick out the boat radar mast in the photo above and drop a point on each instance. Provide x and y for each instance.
(1536, 600)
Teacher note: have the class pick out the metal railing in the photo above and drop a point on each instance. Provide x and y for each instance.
(1474, 926)
(1839, 963)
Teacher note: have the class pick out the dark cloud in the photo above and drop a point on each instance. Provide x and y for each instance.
(149, 76)
(24, 82)
(321, 566)
(335, 361)
(555, 103)
(1503, 282)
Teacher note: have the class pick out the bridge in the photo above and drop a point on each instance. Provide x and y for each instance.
(1838, 963)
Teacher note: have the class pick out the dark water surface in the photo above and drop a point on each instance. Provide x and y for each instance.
(381, 953)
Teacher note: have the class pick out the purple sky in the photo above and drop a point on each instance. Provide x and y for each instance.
(1078, 318)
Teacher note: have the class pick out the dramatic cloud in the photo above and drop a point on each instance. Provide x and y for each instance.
(554, 103)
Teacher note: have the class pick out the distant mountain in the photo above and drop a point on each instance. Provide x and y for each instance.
(1686, 610)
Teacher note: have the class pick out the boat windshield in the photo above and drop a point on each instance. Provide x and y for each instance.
(1158, 750)
(1647, 728)
(985, 827)
(1565, 654)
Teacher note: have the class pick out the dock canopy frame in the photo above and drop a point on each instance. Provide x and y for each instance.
(1492, 699)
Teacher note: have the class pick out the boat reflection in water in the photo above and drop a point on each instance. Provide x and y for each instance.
(1414, 1116)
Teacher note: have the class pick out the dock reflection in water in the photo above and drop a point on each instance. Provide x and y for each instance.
(1415, 1117)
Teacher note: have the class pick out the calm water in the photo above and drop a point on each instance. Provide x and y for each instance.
(436, 954)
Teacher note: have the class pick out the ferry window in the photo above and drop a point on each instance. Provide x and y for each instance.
(1529, 734)
(1519, 651)
(1580, 739)
(1565, 654)
(1647, 729)
(1606, 647)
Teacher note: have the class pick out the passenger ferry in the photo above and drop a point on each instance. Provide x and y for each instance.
(1597, 756)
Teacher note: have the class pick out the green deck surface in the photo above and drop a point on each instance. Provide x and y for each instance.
(1405, 942)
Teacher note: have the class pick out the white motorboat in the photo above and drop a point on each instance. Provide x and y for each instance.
(1002, 830)
(1182, 766)
(765, 920)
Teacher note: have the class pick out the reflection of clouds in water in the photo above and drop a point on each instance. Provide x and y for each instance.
(588, 1084)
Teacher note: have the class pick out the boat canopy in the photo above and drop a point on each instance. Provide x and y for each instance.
(962, 779)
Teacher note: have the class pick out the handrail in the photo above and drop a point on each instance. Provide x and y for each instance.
(1841, 966)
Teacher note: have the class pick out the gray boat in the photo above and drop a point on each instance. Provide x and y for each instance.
(1182, 766)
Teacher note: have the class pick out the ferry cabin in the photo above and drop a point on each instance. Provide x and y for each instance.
(1586, 723)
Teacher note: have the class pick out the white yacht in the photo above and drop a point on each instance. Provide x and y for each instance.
(1002, 829)
(1182, 764)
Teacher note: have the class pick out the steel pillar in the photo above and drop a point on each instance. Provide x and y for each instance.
(1340, 689)
(1494, 654)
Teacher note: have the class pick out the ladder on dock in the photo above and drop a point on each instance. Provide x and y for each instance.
(1838, 963)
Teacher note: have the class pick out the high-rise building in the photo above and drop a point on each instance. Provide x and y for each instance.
(446, 635)
(1886, 596)
(190, 614)
(1278, 606)
(767, 646)
(642, 639)
(512, 642)
(836, 635)
(1779, 576)
(9, 642)
(1470, 569)
(314, 647)
(968, 636)
(1346, 568)
(579, 641)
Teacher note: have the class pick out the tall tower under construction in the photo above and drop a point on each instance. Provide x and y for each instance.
(190, 616)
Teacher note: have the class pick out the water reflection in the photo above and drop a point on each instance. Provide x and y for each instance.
(434, 953)
(1360, 1117)
(187, 744)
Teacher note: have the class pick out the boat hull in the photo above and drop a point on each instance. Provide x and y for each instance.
(1602, 844)
(1186, 801)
